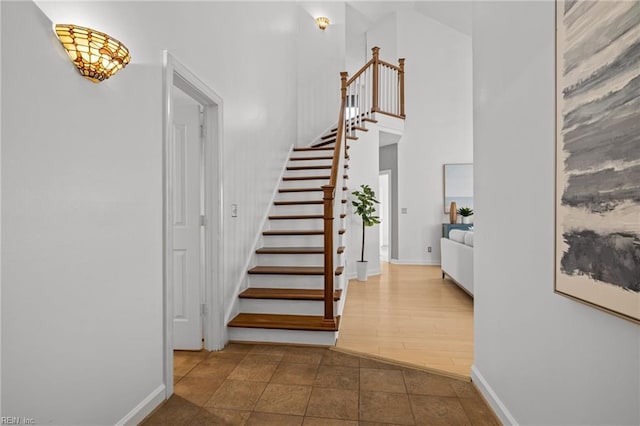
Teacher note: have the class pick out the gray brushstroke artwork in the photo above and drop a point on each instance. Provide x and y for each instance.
(598, 154)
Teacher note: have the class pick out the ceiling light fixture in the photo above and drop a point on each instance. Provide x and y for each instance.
(97, 55)
(323, 22)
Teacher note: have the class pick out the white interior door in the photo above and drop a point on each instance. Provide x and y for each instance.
(187, 237)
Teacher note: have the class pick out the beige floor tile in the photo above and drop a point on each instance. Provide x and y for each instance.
(385, 407)
(237, 395)
(437, 410)
(213, 368)
(284, 399)
(197, 390)
(270, 419)
(222, 416)
(382, 380)
(333, 403)
(422, 383)
(254, 371)
(295, 374)
(336, 377)
(316, 421)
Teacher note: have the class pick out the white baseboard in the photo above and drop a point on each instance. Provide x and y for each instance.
(414, 262)
(145, 407)
(353, 275)
(490, 396)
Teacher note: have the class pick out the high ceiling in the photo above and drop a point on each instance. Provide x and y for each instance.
(456, 14)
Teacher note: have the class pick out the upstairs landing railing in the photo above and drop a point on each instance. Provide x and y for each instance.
(378, 87)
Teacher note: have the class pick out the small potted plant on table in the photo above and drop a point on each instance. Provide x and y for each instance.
(365, 208)
(466, 213)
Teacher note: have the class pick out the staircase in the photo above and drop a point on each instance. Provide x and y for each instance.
(285, 298)
(297, 288)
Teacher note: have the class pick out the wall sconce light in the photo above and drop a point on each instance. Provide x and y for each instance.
(323, 22)
(97, 55)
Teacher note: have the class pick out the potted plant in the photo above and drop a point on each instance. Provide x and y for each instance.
(365, 208)
(466, 213)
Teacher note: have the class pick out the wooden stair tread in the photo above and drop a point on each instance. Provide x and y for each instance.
(353, 138)
(294, 203)
(292, 270)
(332, 134)
(300, 189)
(288, 294)
(324, 143)
(306, 178)
(370, 120)
(295, 250)
(328, 157)
(341, 231)
(309, 148)
(294, 232)
(295, 216)
(308, 167)
(343, 215)
(285, 322)
(291, 250)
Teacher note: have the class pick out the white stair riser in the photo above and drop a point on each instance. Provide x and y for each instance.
(293, 240)
(312, 282)
(295, 224)
(277, 224)
(299, 196)
(326, 338)
(290, 259)
(314, 153)
(309, 162)
(296, 209)
(307, 183)
(308, 172)
(283, 307)
(294, 259)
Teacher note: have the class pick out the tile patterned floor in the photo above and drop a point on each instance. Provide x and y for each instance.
(289, 385)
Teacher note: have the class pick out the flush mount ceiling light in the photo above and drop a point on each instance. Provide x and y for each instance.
(323, 22)
(97, 55)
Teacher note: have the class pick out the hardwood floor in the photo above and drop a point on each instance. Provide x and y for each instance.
(410, 314)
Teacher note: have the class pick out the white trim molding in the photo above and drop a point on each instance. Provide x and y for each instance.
(146, 406)
(490, 396)
(414, 262)
(176, 74)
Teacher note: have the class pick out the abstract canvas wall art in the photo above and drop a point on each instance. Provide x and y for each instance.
(598, 154)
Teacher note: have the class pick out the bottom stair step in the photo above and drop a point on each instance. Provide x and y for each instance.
(288, 294)
(284, 322)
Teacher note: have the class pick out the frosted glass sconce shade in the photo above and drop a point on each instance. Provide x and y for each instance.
(97, 55)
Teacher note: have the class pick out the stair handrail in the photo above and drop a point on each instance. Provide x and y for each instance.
(351, 91)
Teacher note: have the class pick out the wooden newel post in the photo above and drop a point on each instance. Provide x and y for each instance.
(376, 59)
(401, 78)
(327, 198)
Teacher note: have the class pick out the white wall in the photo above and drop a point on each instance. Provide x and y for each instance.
(321, 58)
(363, 170)
(82, 247)
(438, 126)
(356, 40)
(82, 197)
(548, 359)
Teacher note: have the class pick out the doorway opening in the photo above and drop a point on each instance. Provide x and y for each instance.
(385, 215)
(192, 217)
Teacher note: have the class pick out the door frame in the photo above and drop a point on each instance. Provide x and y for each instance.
(389, 173)
(176, 74)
